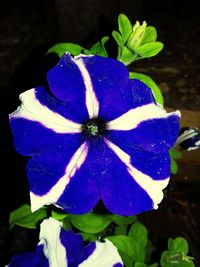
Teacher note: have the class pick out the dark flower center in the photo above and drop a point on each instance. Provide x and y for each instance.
(94, 127)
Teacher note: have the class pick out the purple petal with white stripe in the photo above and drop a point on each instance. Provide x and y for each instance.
(67, 84)
(51, 172)
(132, 188)
(61, 248)
(83, 192)
(40, 122)
(148, 127)
(114, 90)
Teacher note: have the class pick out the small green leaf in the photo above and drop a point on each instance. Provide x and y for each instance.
(149, 49)
(127, 56)
(173, 166)
(175, 259)
(174, 154)
(151, 84)
(90, 223)
(99, 48)
(150, 35)
(179, 244)
(128, 246)
(122, 220)
(138, 232)
(121, 230)
(25, 218)
(88, 237)
(127, 260)
(61, 48)
(118, 38)
(59, 216)
(66, 224)
(176, 255)
(125, 27)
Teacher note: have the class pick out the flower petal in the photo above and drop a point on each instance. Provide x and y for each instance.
(82, 193)
(50, 172)
(31, 259)
(115, 92)
(67, 83)
(136, 184)
(104, 254)
(148, 127)
(53, 249)
(92, 103)
(39, 121)
(61, 248)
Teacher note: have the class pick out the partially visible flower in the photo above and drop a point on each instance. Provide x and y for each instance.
(60, 248)
(96, 135)
(137, 35)
(189, 138)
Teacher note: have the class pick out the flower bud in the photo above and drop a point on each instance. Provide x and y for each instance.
(137, 35)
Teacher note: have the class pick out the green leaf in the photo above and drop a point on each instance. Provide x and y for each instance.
(174, 259)
(174, 154)
(151, 84)
(173, 166)
(59, 216)
(149, 49)
(88, 237)
(61, 48)
(128, 246)
(25, 218)
(138, 232)
(177, 254)
(66, 223)
(179, 244)
(121, 230)
(127, 260)
(90, 223)
(127, 56)
(122, 220)
(118, 38)
(125, 27)
(99, 48)
(150, 35)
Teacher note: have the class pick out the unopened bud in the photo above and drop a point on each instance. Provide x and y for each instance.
(137, 35)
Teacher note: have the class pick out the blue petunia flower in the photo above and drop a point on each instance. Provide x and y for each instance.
(60, 248)
(96, 134)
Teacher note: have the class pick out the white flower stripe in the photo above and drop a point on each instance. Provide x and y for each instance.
(57, 190)
(134, 117)
(152, 187)
(92, 103)
(53, 249)
(105, 254)
(32, 109)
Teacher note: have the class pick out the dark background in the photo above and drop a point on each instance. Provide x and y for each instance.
(29, 28)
